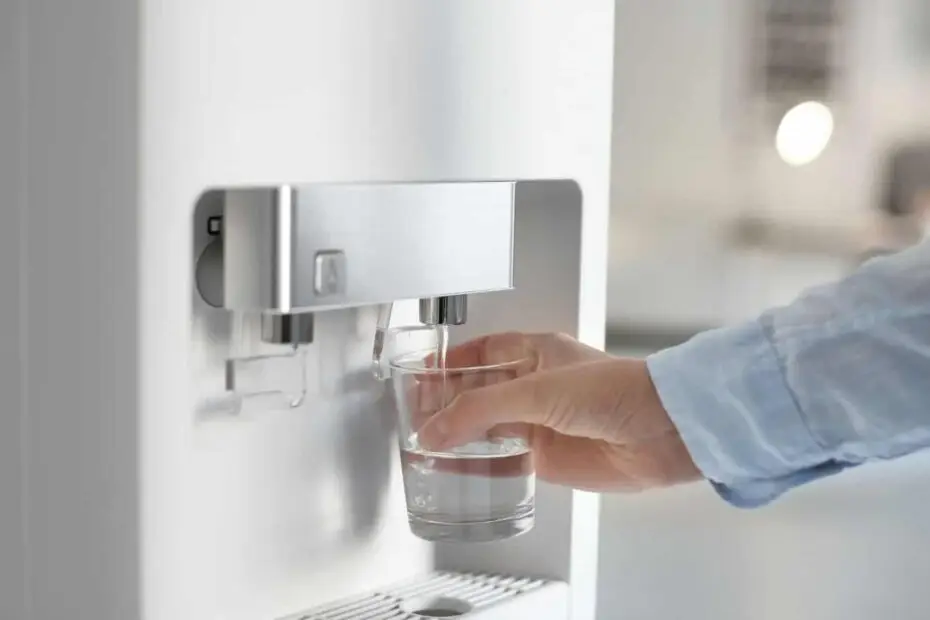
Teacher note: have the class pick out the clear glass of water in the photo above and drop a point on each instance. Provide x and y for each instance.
(479, 492)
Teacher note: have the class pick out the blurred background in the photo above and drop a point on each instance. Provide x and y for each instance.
(761, 147)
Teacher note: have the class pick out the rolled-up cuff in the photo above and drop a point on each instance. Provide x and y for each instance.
(726, 394)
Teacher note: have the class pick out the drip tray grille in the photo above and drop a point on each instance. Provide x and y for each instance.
(441, 595)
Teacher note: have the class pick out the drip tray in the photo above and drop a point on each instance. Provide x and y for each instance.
(453, 595)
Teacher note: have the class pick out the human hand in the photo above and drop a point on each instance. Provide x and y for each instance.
(593, 421)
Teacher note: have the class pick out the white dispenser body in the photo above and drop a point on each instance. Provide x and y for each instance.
(120, 503)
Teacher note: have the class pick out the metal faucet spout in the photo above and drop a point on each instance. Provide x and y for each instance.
(446, 310)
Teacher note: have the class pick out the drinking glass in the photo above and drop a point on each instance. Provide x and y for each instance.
(478, 492)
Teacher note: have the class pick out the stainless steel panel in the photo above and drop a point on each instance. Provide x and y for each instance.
(377, 243)
(256, 254)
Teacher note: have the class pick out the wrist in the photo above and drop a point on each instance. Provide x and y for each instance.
(651, 431)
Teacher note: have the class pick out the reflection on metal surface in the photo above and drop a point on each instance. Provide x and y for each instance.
(448, 310)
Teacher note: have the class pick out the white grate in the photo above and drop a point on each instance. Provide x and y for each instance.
(437, 591)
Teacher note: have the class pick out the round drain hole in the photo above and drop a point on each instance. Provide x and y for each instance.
(436, 607)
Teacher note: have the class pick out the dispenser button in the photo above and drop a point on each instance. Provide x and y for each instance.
(329, 277)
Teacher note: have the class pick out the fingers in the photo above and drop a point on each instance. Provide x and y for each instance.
(427, 394)
(433, 391)
(474, 413)
(471, 368)
(583, 400)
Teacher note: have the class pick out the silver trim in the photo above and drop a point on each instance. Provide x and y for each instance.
(399, 240)
(448, 310)
(283, 245)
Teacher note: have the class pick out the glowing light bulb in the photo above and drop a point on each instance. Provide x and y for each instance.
(803, 133)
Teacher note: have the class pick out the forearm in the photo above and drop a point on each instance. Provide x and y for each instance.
(839, 377)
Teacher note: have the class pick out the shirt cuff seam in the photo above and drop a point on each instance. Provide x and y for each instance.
(726, 393)
(768, 332)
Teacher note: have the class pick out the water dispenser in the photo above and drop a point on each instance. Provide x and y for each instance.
(275, 268)
(208, 207)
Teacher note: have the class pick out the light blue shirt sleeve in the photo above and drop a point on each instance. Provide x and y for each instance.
(838, 378)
